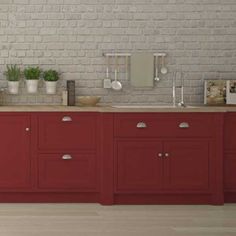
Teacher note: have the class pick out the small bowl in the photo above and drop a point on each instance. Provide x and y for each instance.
(88, 101)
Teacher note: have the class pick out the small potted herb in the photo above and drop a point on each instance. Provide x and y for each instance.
(51, 77)
(32, 75)
(13, 74)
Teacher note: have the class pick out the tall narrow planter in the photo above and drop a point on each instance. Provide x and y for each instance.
(13, 87)
(32, 86)
(51, 87)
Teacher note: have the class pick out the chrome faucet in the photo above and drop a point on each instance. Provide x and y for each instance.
(181, 103)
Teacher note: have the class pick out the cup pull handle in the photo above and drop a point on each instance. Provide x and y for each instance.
(184, 125)
(66, 119)
(141, 125)
(66, 157)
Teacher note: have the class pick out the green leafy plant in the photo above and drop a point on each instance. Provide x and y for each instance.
(32, 73)
(50, 75)
(13, 73)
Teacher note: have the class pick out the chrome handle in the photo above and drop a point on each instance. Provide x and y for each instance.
(160, 155)
(167, 154)
(141, 125)
(184, 125)
(66, 119)
(27, 129)
(67, 157)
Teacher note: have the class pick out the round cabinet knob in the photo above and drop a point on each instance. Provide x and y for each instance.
(167, 154)
(160, 155)
(27, 129)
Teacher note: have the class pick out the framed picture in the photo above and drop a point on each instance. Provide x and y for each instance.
(231, 92)
(215, 92)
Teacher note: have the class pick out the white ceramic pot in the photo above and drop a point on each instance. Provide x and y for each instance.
(13, 87)
(51, 87)
(32, 86)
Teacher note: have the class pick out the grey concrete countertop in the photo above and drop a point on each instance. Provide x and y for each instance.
(44, 108)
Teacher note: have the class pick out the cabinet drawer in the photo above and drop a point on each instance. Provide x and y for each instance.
(67, 131)
(163, 125)
(64, 171)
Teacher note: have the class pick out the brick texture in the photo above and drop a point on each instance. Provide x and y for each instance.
(71, 36)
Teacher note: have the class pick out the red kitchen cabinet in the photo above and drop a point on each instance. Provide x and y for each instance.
(65, 172)
(230, 157)
(229, 172)
(186, 165)
(15, 160)
(170, 165)
(139, 167)
(163, 158)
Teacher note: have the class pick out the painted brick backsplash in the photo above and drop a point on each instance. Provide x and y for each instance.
(71, 36)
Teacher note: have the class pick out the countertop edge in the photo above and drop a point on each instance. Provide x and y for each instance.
(109, 109)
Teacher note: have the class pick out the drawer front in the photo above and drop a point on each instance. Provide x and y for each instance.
(163, 125)
(67, 131)
(67, 172)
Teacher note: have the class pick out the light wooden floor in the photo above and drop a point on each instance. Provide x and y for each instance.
(94, 219)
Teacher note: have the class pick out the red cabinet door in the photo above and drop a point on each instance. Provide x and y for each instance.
(67, 172)
(70, 131)
(230, 172)
(138, 166)
(186, 165)
(14, 151)
(230, 153)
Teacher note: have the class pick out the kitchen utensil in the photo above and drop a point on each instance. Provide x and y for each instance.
(71, 92)
(108, 67)
(116, 85)
(181, 103)
(127, 67)
(163, 67)
(107, 80)
(156, 69)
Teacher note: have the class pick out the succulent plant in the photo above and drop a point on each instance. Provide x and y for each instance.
(50, 75)
(32, 73)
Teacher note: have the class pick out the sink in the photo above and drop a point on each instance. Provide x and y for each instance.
(150, 106)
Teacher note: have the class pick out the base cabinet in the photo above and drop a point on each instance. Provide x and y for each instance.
(230, 158)
(155, 166)
(170, 159)
(111, 158)
(15, 159)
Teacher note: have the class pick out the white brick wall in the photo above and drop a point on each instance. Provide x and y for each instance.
(71, 35)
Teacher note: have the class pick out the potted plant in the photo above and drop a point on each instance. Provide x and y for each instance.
(13, 75)
(32, 75)
(50, 77)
